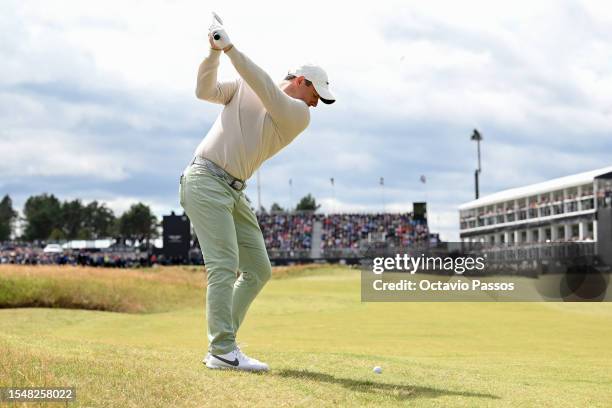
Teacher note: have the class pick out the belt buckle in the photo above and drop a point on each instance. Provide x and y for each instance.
(237, 185)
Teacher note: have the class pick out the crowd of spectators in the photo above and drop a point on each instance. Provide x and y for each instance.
(28, 254)
(352, 231)
(287, 234)
(345, 234)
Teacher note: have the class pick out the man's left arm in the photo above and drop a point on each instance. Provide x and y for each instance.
(284, 110)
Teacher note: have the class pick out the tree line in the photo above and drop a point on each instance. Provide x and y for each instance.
(47, 218)
(306, 203)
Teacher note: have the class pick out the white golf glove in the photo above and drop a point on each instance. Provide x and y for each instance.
(223, 40)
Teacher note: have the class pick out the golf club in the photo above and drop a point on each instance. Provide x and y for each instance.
(216, 19)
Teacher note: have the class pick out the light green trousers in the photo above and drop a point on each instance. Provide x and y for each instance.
(231, 241)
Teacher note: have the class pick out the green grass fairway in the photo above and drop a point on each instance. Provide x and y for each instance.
(321, 343)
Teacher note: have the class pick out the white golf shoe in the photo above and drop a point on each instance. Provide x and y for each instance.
(236, 360)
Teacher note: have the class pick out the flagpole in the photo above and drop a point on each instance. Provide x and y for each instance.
(290, 195)
(428, 208)
(382, 187)
(333, 187)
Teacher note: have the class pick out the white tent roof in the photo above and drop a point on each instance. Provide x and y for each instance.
(82, 244)
(527, 191)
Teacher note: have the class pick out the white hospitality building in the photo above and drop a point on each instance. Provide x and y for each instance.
(563, 209)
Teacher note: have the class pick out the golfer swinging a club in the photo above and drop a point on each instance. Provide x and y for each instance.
(258, 119)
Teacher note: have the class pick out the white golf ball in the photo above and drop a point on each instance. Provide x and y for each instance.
(377, 370)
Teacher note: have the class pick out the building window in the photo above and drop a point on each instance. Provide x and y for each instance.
(575, 231)
(561, 233)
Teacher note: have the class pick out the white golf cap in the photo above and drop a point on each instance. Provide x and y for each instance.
(318, 77)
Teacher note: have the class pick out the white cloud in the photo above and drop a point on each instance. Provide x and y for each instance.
(105, 90)
(56, 154)
(120, 204)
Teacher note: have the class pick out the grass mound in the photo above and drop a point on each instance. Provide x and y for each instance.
(148, 290)
(321, 343)
(115, 290)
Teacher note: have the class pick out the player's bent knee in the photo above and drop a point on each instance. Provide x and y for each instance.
(225, 270)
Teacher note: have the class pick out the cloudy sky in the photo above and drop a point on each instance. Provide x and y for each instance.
(97, 98)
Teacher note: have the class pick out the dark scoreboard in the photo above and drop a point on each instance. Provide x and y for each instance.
(177, 236)
(419, 210)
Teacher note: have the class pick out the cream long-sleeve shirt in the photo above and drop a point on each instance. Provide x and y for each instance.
(258, 119)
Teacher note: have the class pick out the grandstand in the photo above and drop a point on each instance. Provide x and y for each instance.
(560, 210)
(310, 236)
(289, 237)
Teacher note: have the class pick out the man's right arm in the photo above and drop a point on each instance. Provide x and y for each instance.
(207, 87)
